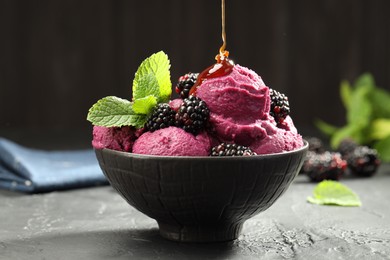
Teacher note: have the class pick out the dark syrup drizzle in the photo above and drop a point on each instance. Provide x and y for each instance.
(223, 66)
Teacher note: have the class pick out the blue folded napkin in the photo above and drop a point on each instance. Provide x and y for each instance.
(32, 171)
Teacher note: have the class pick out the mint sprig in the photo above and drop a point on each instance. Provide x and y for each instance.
(367, 116)
(144, 105)
(334, 193)
(113, 111)
(153, 73)
(151, 85)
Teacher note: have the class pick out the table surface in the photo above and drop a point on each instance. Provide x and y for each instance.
(96, 223)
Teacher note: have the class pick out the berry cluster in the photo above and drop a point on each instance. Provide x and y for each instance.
(362, 160)
(324, 166)
(162, 116)
(280, 108)
(321, 164)
(193, 115)
(185, 84)
(225, 149)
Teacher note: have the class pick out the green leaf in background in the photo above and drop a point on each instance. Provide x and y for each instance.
(345, 93)
(383, 148)
(144, 105)
(158, 65)
(359, 110)
(380, 128)
(367, 116)
(347, 131)
(380, 100)
(366, 79)
(114, 112)
(334, 193)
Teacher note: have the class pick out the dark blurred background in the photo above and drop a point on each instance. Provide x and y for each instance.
(58, 57)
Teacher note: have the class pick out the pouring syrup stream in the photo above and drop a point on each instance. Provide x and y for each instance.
(223, 66)
(222, 50)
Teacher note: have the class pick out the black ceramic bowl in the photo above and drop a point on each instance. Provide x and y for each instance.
(200, 199)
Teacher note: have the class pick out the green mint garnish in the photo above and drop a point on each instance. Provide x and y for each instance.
(144, 105)
(146, 86)
(151, 85)
(113, 111)
(334, 193)
(153, 78)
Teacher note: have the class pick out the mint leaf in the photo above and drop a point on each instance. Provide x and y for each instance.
(163, 76)
(380, 100)
(353, 131)
(360, 109)
(113, 111)
(366, 79)
(334, 193)
(345, 93)
(146, 85)
(158, 65)
(151, 85)
(358, 112)
(144, 105)
(380, 128)
(367, 116)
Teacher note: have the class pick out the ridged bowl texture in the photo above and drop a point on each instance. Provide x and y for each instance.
(200, 199)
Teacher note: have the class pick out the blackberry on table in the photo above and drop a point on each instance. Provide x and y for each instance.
(185, 84)
(324, 166)
(192, 115)
(347, 146)
(162, 116)
(225, 149)
(363, 161)
(315, 144)
(280, 107)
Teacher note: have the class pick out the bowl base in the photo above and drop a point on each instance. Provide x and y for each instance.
(201, 234)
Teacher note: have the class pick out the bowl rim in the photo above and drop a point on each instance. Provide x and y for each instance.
(209, 158)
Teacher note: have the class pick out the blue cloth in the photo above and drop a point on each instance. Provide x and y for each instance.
(32, 171)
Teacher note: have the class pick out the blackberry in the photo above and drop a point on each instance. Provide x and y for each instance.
(185, 84)
(324, 166)
(192, 115)
(315, 144)
(280, 108)
(347, 146)
(363, 161)
(225, 149)
(162, 116)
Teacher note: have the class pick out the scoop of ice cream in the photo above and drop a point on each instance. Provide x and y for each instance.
(175, 104)
(241, 95)
(239, 106)
(277, 139)
(116, 138)
(236, 101)
(173, 141)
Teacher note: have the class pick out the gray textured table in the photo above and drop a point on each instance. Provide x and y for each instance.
(97, 223)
